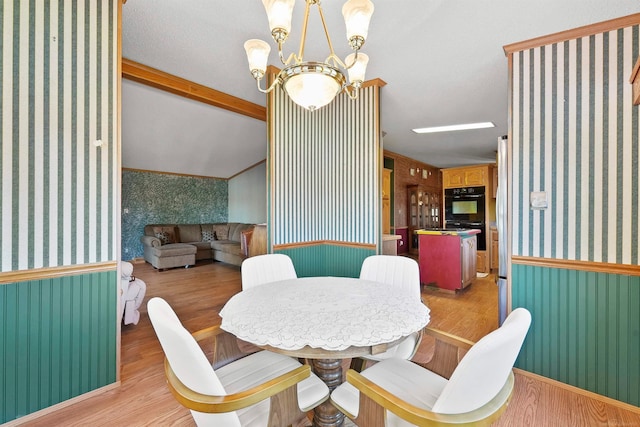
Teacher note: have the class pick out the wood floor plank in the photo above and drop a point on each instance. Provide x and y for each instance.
(198, 293)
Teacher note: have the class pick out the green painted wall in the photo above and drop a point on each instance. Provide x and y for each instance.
(327, 260)
(585, 330)
(57, 340)
(157, 198)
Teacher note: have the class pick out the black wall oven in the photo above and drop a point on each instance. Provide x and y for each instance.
(465, 208)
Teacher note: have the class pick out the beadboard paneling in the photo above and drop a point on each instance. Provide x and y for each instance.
(327, 260)
(585, 330)
(57, 340)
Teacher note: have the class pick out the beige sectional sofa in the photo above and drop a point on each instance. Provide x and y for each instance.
(175, 245)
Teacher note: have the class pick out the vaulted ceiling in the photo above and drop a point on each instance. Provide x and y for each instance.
(442, 61)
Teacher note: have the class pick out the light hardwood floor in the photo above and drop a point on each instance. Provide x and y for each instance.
(198, 293)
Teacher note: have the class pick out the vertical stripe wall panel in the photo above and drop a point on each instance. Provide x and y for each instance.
(57, 340)
(58, 96)
(325, 170)
(575, 136)
(585, 330)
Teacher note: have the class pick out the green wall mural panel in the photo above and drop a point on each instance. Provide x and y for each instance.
(327, 260)
(585, 330)
(156, 198)
(57, 340)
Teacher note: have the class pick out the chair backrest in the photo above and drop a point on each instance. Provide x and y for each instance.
(483, 371)
(265, 269)
(399, 271)
(187, 359)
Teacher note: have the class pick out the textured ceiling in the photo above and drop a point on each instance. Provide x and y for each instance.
(442, 61)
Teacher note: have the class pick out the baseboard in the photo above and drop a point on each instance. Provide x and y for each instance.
(58, 406)
(137, 260)
(578, 390)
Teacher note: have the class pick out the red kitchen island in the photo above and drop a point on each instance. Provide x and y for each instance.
(447, 257)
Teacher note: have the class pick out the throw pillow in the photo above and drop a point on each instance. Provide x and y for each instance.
(166, 235)
(222, 231)
(208, 235)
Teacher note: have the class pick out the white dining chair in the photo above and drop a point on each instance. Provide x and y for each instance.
(258, 390)
(403, 274)
(267, 268)
(401, 393)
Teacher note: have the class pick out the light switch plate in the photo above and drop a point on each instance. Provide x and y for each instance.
(538, 200)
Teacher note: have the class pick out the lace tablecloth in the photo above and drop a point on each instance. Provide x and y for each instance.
(331, 313)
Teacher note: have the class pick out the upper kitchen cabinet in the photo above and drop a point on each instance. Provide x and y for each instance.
(467, 176)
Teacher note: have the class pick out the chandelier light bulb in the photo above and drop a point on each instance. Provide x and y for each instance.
(279, 13)
(357, 15)
(358, 69)
(257, 55)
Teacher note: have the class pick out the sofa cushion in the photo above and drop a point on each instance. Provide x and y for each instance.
(227, 246)
(189, 233)
(174, 249)
(208, 235)
(221, 230)
(201, 246)
(166, 235)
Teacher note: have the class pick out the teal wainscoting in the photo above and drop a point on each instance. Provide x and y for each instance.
(585, 330)
(327, 260)
(57, 340)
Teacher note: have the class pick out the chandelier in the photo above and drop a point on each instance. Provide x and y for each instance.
(312, 85)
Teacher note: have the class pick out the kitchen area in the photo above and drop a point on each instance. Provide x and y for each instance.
(446, 220)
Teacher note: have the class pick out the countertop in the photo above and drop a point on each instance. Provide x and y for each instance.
(462, 232)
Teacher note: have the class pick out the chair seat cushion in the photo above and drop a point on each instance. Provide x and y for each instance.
(402, 378)
(403, 350)
(262, 366)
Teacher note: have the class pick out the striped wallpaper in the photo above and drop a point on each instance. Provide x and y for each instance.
(325, 170)
(575, 136)
(58, 96)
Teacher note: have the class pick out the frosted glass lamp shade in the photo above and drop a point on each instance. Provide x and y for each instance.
(312, 85)
(279, 13)
(357, 71)
(257, 55)
(357, 14)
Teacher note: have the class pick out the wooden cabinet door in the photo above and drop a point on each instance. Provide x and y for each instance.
(494, 249)
(386, 216)
(453, 178)
(475, 176)
(468, 259)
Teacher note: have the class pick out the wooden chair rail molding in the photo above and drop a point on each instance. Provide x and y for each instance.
(587, 30)
(160, 80)
(53, 272)
(598, 267)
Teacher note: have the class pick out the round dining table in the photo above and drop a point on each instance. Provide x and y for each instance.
(325, 320)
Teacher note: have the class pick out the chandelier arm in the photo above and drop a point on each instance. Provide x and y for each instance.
(270, 88)
(355, 60)
(326, 32)
(353, 93)
(303, 37)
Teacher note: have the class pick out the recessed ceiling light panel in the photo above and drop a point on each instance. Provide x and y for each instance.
(450, 128)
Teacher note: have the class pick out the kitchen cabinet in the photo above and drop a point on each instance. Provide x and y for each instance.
(495, 254)
(424, 212)
(465, 177)
(447, 258)
(386, 201)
